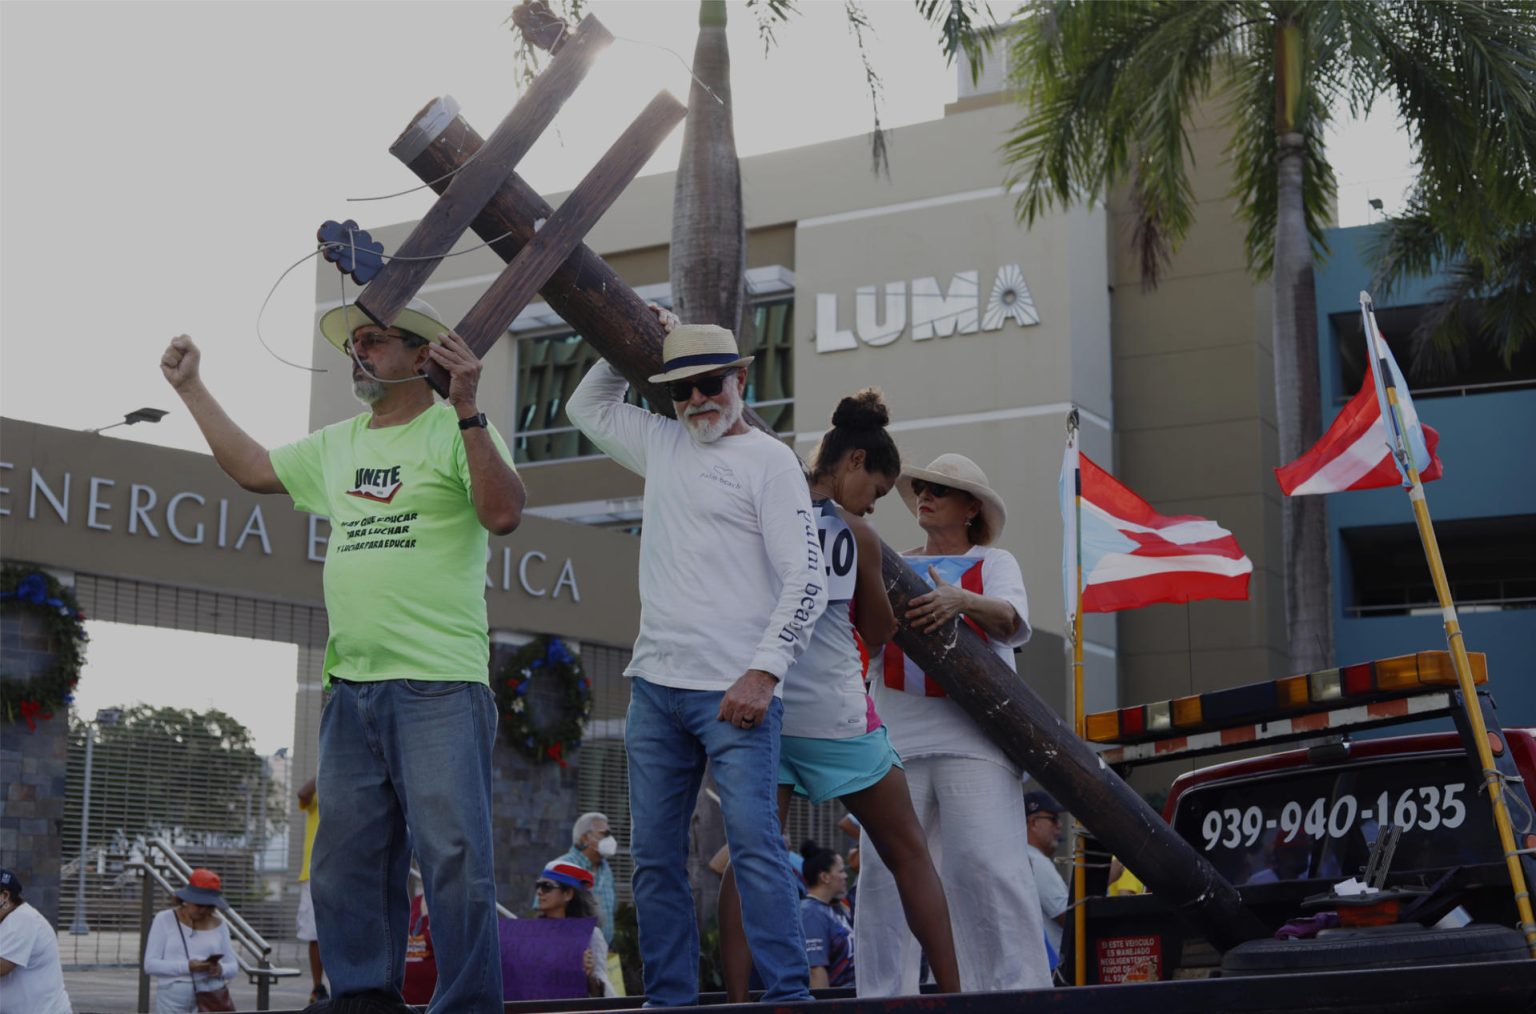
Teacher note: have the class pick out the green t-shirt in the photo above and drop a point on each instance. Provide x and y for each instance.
(405, 565)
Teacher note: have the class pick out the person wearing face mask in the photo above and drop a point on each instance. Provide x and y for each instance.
(731, 585)
(31, 977)
(965, 790)
(833, 744)
(592, 845)
(413, 488)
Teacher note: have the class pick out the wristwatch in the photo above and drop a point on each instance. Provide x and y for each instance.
(474, 422)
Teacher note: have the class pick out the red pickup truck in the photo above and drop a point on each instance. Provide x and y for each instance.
(1286, 827)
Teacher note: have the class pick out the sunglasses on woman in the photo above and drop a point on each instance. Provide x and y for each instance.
(546, 885)
(938, 489)
(682, 390)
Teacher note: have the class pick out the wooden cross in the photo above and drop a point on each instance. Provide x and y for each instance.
(476, 182)
(592, 298)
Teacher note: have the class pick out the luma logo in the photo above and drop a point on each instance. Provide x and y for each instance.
(935, 312)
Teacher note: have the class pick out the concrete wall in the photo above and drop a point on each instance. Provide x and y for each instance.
(33, 765)
(1195, 434)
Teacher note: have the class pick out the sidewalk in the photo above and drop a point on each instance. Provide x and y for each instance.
(116, 991)
(108, 985)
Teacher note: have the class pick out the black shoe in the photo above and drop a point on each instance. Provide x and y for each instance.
(372, 1002)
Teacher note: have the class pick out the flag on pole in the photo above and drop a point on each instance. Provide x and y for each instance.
(1133, 556)
(1356, 452)
(1066, 492)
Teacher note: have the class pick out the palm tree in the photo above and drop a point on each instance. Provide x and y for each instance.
(1482, 239)
(1110, 88)
(707, 258)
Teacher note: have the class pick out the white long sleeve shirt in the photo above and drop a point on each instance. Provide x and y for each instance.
(731, 576)
(166, 959)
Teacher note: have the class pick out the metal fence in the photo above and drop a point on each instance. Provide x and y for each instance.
(193, 780)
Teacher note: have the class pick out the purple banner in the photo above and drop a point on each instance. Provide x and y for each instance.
(541, 958)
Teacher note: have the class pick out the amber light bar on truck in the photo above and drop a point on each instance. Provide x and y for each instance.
(1287, 698)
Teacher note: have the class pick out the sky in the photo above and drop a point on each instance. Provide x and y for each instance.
(162, 164)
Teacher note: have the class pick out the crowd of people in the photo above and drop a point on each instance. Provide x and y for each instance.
(764, 654)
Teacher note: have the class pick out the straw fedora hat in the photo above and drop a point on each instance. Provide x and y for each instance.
(958, 472)
(692, 349)
(418, 318)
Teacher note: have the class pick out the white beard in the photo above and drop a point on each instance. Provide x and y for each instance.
(728, 409)
(367, 390)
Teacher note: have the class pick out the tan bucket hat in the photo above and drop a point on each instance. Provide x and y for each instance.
(958, 472)
(692, 349)
(418, 318)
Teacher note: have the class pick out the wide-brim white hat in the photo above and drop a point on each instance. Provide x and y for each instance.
(958, 472)
(692, 349)
(418, 318)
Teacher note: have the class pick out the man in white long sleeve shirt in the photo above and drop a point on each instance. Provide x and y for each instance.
(731, 583)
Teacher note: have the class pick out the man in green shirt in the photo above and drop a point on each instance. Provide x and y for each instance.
(411, 488)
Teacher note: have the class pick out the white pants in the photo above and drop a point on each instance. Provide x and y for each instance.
(175, 997)
(973, 814)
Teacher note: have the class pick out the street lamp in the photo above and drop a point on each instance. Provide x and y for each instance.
(138, 415)
(104, 717)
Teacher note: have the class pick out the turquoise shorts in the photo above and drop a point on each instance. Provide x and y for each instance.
(824, 769)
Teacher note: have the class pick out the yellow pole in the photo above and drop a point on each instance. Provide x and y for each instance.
(1079, 833)
(1491, 777)
(1462, 665)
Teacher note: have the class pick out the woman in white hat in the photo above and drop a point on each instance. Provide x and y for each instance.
(966, 791)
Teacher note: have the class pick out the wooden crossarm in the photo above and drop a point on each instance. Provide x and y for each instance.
(562, 233)
(468, 191)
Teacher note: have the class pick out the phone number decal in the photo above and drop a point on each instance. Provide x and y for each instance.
(1428, 808)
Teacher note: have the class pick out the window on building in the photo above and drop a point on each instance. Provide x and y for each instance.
(1474, 368)
(1490, 563)
(549, 366)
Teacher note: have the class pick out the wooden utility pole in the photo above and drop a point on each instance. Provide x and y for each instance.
(618, 324)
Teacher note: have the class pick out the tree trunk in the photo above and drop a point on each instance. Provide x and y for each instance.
(708, 259)
(1298, 407)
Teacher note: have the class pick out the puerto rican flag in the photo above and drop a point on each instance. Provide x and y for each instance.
(1132, 556)
(899, 671)
(1356, 452)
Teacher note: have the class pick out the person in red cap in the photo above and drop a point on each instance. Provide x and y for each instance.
(564, 891)
(189, 950)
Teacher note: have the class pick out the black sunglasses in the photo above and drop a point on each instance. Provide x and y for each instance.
(546, 885)
(682, 390)
(938, 489)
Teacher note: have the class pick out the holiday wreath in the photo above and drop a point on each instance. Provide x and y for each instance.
(543, 658)
(29, 698)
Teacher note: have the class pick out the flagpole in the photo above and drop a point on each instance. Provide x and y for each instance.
(1492, 779)
(1079, 833)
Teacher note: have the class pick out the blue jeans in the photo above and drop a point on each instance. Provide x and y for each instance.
(406, 765)
(669, 735)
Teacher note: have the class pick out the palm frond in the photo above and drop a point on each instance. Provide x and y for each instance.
(963, 28)
(858, 24)
(1112, 89)
(769, 14)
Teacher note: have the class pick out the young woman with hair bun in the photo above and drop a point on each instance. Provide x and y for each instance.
(833, 744)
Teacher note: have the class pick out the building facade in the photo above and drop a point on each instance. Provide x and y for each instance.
(1484, 508)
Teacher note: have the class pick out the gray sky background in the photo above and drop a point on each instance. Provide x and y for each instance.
(161, 164)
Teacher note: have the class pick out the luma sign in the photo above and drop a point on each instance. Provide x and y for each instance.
(879, 318)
